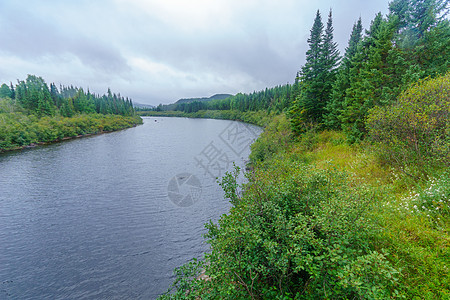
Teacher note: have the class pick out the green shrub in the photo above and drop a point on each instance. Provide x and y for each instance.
(18, 130)
(294, 232)
(416, 130)
(275, 137)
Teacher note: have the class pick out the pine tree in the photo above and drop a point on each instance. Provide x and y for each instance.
(342, 82)
(307, 106)
(44, 103)
(375, 76)
(67, 108)
(13, 91)
(435, 53)
(425, 14)
(316, 76)
(330, 54)
(5, 91)
(312, 71)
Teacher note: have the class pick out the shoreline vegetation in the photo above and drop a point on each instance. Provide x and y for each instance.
(260, 118)
(32, 114)
(119, 124)
(339, 212)
(348, 194)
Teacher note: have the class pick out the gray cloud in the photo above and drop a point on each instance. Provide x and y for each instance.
(159, 51)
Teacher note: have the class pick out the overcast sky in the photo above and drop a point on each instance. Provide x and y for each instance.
(157, 51)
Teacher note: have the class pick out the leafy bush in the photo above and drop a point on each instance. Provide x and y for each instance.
(276, 137)
(416, 130)
(294, 232)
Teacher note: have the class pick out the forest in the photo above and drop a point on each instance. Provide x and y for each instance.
(348, 196)
(31, 112)
(337, 91)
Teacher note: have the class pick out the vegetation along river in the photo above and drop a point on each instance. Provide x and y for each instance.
(111, 216)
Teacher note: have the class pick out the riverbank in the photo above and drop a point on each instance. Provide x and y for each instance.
(259, 118)
(327, 218)
(67, 138)
(19, 131)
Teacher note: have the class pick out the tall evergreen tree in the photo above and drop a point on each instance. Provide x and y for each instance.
(316, 76)
(330, 52)
(311, 75)
(13, 91)
(342, 82)
(423, 36)
(45, 106)
(5, 91)
(375, 76)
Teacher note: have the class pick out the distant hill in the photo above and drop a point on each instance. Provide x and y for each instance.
(204, 99)
(173, 106)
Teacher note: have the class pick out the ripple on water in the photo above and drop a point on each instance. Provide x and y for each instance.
(91, 218)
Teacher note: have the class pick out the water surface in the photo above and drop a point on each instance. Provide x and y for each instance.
(100, 217)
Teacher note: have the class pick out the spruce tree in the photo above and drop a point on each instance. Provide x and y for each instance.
(13, 91)
(330, 54)
(316, 76)
(375, 77)
(45, 106)
(5, 91)
(342, 82)
(312, 73)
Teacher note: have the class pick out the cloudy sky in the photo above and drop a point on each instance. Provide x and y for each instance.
(157, 51)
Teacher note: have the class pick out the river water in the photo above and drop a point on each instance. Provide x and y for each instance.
(111, 216)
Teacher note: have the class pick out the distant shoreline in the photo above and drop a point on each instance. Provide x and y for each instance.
(259, 118)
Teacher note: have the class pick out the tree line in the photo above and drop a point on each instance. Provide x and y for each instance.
(36, 97)
(32, 112)
(276, 99)
(411, 43)
(334, 91)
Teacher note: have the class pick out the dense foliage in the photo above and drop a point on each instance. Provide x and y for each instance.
(321, 218)
(415, 131)
(299, 233)
(276, 99)
(411, 43)
(18, 130)
(34, 95)
(32, 113)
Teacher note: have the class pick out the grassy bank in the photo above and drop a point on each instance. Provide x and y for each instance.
(321, 218)
(19, 130)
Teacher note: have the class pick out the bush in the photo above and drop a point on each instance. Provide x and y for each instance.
(18, 130)
(416, 130)
(294, 232)
(275, 137)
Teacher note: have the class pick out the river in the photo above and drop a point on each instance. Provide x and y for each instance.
(111, 216)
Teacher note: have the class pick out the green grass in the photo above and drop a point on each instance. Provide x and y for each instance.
(413, 215)
(276, 243)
